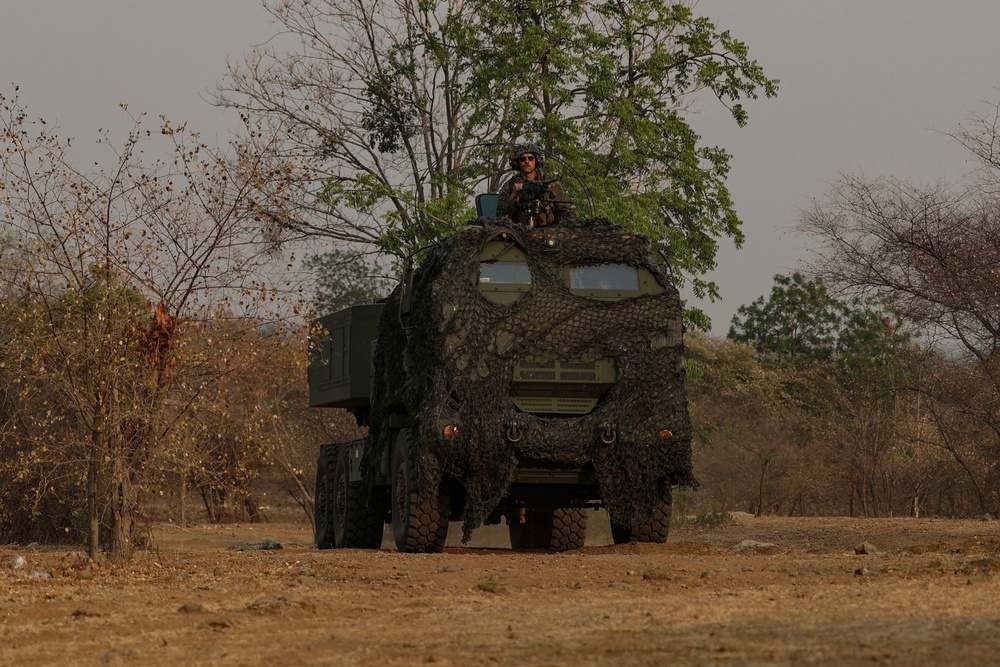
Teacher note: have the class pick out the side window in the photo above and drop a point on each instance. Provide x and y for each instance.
(610, 281)
(503, 275)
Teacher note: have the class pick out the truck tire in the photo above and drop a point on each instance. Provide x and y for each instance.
(339, 490)
(621, 534)
(654, 529)
(534, 533)
(358, 517)
(366, 516)
(569, 528)
(323, 505)
(419, 520)
(563, 529)
(657, 527)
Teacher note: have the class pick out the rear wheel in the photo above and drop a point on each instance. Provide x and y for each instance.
(569, 528)
(534, 533)
(621, 534)
(563, 529)
(339, 490)
(358, 517)
(323, 505)
(366, 516)
(419, 520)
(655, 528)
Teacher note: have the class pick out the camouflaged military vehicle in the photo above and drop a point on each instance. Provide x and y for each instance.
(527, 375)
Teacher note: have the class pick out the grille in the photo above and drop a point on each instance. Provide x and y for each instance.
(554, 405)
(537, 375)
(553, 386)
(529, 370)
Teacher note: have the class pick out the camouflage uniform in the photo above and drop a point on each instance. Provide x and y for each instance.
(556, 207)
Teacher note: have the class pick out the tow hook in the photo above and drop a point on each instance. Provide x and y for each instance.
(514, 433)
(608, 435)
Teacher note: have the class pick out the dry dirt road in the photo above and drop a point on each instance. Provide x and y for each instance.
(753, 591)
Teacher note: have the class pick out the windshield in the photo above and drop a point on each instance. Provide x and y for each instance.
(505, 273)
(614, 277)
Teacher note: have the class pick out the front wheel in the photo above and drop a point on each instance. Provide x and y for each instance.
(419, 520)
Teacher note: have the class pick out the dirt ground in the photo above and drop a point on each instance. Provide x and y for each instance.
(752, 591)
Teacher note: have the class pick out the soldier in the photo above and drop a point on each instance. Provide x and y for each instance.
(529, 197)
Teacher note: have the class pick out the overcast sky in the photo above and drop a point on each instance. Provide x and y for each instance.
(866, 87)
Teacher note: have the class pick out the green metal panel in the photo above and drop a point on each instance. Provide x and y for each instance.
(341, 357)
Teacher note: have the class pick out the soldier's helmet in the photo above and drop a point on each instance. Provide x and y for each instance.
(520, 149)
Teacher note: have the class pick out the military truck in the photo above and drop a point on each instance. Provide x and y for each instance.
(520, 374)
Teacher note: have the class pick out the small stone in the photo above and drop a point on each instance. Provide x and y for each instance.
(192, 608)
(87, 613)
(19, 562)
(308, 580)
(656, 575)
(751, 545)
(266, 545)
(621, 585)
(265, 603)
(862, 572)
(491, 587)
(866, 549)
(216, 622)
(451, 568)
(39, 574)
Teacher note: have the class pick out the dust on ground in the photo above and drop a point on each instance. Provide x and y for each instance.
(752, 591)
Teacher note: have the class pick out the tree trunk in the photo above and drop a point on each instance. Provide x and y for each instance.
(760, 486)
(93, 516)
(124, 505)
(183, 497)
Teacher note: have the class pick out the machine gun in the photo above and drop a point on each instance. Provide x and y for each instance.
(535, 199)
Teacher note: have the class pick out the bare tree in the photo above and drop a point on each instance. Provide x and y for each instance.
(115, 266)
(934, 251)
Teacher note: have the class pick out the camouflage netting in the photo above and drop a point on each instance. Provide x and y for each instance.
(453, 365)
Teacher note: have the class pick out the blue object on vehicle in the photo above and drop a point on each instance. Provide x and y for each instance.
(486, 205)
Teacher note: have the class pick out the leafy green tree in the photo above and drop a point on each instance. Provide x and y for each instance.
(855, 355)
(380, 119)
(607, 86)
(344, 278)
(802, 321)
(798, 320)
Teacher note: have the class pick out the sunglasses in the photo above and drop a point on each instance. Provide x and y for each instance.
(526, 158)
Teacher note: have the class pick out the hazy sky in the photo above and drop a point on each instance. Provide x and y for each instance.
(866, 86)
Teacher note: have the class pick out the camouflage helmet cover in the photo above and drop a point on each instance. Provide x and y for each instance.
(520, 149)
